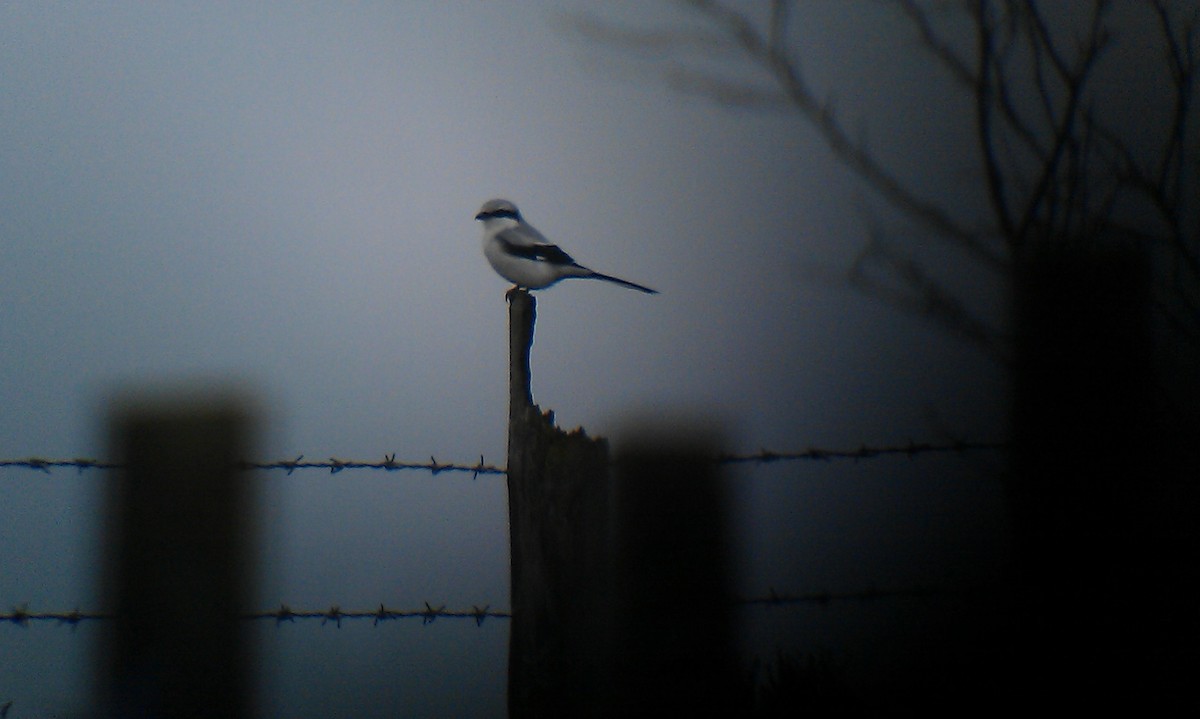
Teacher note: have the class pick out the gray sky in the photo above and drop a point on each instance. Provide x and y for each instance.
(282, 195)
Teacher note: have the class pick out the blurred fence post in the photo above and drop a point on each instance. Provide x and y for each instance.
(671, 636)
(1102, 555)
(178, 566)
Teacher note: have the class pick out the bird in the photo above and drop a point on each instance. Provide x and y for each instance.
(523, 256)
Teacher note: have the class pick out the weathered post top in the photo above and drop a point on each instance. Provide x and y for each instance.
(522, 311)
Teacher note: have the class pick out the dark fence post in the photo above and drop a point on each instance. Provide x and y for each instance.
(671, 633)
(557, 502)
(1102, 553)
(179, 572)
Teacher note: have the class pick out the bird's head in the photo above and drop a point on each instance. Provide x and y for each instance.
(502, 210)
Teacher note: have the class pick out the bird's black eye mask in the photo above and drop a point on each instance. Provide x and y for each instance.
(498, 213)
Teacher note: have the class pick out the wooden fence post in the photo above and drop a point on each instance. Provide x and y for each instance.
(178, 569)
(557, 508)
(620, 595)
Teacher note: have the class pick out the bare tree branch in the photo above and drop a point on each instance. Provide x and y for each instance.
(1075, 78)
(942, 50)
(984, 90)
(898, 280)
(1181, 59)
(777, 32)
(1058, 167)
(787, 71)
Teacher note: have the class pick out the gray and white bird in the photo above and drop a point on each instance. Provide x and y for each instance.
(522, 255)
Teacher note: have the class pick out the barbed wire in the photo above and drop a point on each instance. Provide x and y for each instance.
(333, 464)
(911, 449)
(335, 614)
(390, 464)
(21, 615)
(45, 465)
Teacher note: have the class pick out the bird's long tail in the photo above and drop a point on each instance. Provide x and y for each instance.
(623, 283)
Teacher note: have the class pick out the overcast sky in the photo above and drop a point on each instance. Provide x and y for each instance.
(282, 195)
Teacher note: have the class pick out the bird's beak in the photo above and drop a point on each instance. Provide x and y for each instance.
(479, 216)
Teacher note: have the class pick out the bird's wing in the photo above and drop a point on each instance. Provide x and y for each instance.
(519, 244)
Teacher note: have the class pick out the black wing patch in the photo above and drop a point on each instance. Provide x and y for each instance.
(541, 252)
